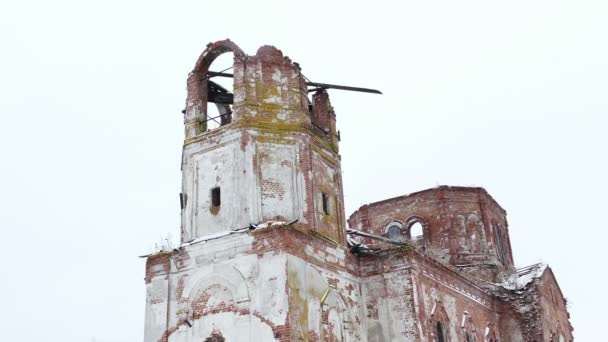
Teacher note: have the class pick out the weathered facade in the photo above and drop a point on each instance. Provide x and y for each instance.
(266, 255)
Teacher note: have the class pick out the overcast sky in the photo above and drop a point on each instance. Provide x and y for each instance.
(511, 96)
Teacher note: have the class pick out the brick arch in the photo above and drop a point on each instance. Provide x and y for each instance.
(476, 233)
(334, 306)
(196, 104)
(213, 51)
(389, 224)
(439, 316)
(413, 219)
(468, 327)
(214, 298)
(230, 278)
(470, 231)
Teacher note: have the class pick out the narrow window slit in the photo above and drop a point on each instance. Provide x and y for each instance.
(325, 200)
(216, 200)
(183, 200)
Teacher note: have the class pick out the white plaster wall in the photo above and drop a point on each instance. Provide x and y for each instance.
(255, 285)
(401, 323)
(342, 300)
(218, 161)
(375, 311)
(215, 168)
(394, 321)
(156, 309)
(278, 165)
(251, 192)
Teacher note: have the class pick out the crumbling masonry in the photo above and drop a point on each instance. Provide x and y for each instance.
(266, 254)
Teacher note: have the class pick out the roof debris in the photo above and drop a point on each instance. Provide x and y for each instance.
(524, 276)
(358, 247)
(166, 248)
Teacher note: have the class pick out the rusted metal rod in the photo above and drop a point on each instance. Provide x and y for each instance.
(309, 84)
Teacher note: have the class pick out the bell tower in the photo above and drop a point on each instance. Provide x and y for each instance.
(274, 156)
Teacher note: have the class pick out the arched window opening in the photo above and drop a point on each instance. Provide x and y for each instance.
(325, 204)
(416, 231)
(220, 95)
(211, 82)
(440, 332)
(393, 231)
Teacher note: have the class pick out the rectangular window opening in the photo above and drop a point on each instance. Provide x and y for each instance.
(216, 200)
(183, 200)
(325, 200)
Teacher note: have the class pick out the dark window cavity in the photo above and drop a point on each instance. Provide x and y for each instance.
(216, 199)
(440, 333)
(183, 200)
(325, 200)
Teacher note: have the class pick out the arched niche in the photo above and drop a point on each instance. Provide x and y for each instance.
(439, 323)
(229, 287)
(335, 317)
(469, 330)
(393, 230)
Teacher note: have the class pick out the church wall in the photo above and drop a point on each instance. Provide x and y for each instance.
(452, 218)
(387, 291)
(442, 295)
(327, 182)
(324, 305)
(278, 280)
(324, 295)
(217, 286)
(554, 314)
(220, 160)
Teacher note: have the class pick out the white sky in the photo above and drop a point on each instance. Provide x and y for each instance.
(508, 96)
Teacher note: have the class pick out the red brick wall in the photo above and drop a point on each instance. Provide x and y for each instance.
(554, 314)
(453, 298)
(457, 225)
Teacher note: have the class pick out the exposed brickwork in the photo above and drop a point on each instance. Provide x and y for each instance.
(457, 224)
(273, 261)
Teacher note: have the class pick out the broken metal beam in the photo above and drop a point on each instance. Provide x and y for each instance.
(309, 84)
(339, 87)
(376, 237)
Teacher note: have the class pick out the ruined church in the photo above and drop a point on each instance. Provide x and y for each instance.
(267, 253)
